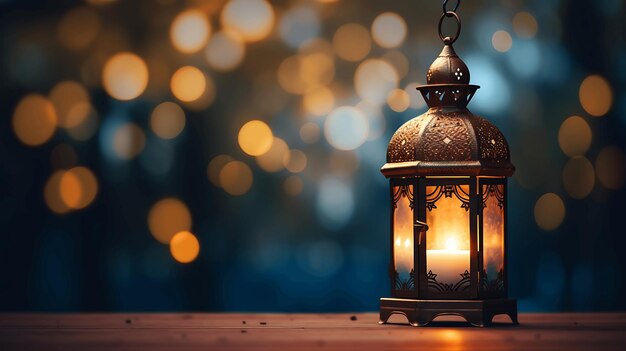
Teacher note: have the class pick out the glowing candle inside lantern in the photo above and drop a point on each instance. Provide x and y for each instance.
(403, 252)
(448, 263)
(403, 236)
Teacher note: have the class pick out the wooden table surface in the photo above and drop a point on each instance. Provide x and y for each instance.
(285, 332)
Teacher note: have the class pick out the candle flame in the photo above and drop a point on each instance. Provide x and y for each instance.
(452, 244)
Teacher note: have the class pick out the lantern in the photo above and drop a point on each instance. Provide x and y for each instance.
(448, 174)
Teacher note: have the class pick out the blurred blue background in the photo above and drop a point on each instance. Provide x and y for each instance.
(131, 178)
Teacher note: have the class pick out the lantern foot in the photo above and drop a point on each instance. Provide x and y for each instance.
(419, 313)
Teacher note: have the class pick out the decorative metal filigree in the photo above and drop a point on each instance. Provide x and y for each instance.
(447, 191)
(493, 146)
(491, 190)
(405, 285)
(402, 191)
(461, 285)
(494, 285)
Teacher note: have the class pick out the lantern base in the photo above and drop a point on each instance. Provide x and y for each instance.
(421, 312)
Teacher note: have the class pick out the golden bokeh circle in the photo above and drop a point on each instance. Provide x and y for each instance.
(255, 138)
(611, 167)
(190, 31)
(352, 42)
(52, 193)
(398, 100)
(34, 120)
(525, 25)
(188, 84)
(215, 167)
(168, 217)
(295, 161)
(549, 211)
(252, 19)
(319, 101)
(128, 141)
(167, 120)
(502, 41)
(71, 102)
(575, 136)
(125, 76)
(236, 178)
(272, 160)
(184, 247)
(389, 30)
(578, 177)
(596, 95)
(78, 187)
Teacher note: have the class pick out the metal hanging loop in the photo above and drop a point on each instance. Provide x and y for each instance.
(450, 40)
(445, 6)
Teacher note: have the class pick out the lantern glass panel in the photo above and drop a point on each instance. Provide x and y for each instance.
(448, 238)
(403, 237)
(493, 237)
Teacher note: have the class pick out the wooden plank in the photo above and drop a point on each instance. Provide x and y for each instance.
(198, 331)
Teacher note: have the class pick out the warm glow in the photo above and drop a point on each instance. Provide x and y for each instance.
(374, 79)
(352, 42)
(389, 30)
(128, 141)
(611, 167)
(78, 187)
(574, 136)
(190, 31)
(252, 19)
(167, 120)
(294, 161)
(82, 120)
(78, 28)
(596, 96)
(525, 25)
(549, 211)
(398, 100)
(125, 76)
(493, 233)
(52, 193)
(236, 178)
(184, 247)
(578, 177)
(448, 240)
(225, 51)
(319, 101)
(301, 73)
(215, 167)
(34, 120)
(403, 235)
(168, 217)
(188, 84)
(70, 100)
(255, 138)
(272, 160)
(502, 41)
(399, 61)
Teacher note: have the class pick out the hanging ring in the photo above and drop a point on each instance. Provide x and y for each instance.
(449, 40)
(456, 7)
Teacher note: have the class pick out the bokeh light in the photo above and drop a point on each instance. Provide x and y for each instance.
(335, 203)
(575, 136)
(215, 167)
(252, 19)
(525, 25)
(319, 101)
(184, 247)
(299, 25)
(167, 120)
(310, 132)
(78, 28)
(82, 120)
(301, 73)
(225, 50)
(611, 167)
(272, 160)
(352, 42)
(167, 217)
(346, 128)
(188, 84)
(374, 79)
(125, 76)
(190, 31)
(236, 178)
(389, 30)
(128, 141)
(399, 61)
(398, 100)
(549, 211)
(52, 193)
(255, 138)
(578, 177)
(596, 96)
(78, 187)
(34, 120)
(66, 97)
(295, 160)
(502, 41)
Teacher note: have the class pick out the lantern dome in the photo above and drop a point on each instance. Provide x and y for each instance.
(448, 139)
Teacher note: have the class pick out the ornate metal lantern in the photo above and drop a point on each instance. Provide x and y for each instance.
(448, 174)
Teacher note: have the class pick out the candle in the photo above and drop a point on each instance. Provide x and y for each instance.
(403, 252)
(448, 264)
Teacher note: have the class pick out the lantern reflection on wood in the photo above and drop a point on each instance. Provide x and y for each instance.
(447, 170)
